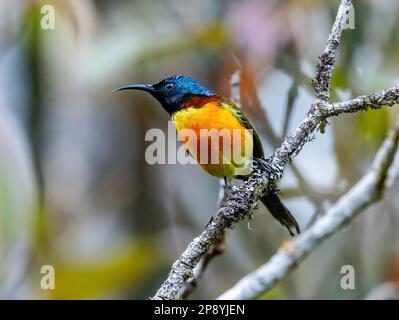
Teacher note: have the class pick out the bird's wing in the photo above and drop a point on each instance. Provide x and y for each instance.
(229, 105)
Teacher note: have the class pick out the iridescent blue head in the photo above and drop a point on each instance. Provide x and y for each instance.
(171, 91)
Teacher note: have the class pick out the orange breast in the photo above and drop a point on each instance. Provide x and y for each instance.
(216, 139)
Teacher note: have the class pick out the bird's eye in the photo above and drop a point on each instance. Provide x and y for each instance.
(169, 86)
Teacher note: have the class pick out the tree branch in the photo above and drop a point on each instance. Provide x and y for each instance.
(318, 114)
(367, 191)
(216, 249)
(375, 100)
(322, 80)
(241, 200)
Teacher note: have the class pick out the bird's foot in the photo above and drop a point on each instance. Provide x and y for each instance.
(226, 182)
(272, 171)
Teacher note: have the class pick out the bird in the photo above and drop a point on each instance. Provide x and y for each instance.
(192, 106)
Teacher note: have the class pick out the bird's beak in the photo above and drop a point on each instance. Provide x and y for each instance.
(144, 87)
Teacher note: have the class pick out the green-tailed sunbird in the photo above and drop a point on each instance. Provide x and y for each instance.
(193, 106)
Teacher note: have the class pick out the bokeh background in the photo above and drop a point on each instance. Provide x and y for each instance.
(77, 194)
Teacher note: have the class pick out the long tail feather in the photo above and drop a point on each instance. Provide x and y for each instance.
(280, 212)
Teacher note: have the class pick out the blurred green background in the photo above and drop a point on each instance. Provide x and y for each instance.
(77, 194)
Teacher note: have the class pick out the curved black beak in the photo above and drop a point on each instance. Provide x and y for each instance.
(143, 87)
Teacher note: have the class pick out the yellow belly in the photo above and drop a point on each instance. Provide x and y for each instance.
(216, 139)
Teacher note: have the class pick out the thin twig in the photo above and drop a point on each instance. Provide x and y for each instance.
(322, 80)
(292, 95)
(235, 85)
(242, 199)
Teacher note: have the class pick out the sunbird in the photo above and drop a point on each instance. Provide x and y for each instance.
(194, 107)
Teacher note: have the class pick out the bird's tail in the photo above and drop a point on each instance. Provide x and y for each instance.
(280, 212)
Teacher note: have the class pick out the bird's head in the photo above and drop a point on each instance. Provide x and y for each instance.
(171, 91)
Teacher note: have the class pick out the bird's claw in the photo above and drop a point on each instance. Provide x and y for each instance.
(272, 171)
